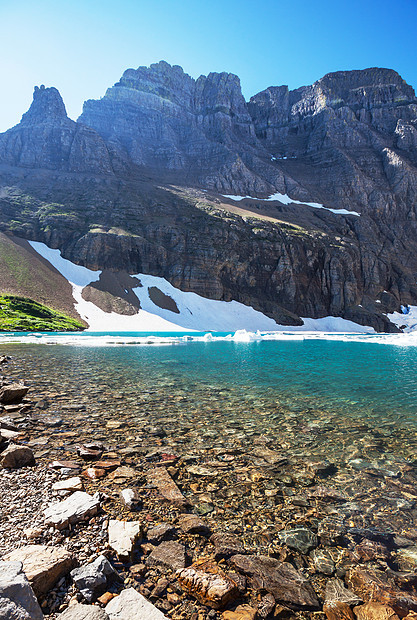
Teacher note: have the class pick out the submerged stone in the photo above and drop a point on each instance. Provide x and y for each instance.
(300, 539)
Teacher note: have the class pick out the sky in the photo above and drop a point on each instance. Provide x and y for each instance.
(83, 46)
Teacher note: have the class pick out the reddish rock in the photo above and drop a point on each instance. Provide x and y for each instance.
(375, 586)
(108, 464)
(159, 477)
(208, 584)
(106, 597)
(94, 472)
(375, 611)
(90, 451)
(243, 612)
(338, 611)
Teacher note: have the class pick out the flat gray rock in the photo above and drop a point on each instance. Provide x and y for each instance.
(17, 599)
(78, 507)
(83, 612)
(130, 605)
(169, 554)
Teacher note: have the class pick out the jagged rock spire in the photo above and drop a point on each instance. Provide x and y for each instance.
(47, 105)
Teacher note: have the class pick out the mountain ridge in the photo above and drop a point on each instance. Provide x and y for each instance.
(154, 158)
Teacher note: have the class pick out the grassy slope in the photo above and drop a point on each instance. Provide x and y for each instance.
(24, 274)
(26, 315)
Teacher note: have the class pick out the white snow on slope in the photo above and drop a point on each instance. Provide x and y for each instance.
(76, 274)
(407, 319)
(196, 313)
(286, 200)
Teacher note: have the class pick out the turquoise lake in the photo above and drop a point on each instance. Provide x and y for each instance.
(267, 416)
(350, 378)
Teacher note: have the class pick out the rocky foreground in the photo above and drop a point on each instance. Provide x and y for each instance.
(105, 534)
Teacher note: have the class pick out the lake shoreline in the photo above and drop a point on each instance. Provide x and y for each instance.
(259, 517)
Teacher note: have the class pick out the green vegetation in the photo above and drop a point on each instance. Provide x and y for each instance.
(20, 314)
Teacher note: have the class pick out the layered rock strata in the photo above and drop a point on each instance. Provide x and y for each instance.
(99, 189)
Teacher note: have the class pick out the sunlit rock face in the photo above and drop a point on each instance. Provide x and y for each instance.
(47, 138)
(137, 185)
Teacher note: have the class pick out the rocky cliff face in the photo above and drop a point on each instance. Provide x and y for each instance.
(122, 188)
(197, 131)
(47, 139)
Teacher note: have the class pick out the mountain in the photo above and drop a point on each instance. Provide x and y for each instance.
(141, 183)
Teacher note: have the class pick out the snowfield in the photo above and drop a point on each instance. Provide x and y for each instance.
(196, 313)
(286, 200)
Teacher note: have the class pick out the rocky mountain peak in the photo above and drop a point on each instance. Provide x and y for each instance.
(47, 105)
(345, 145)
(165, 81)
(365, 88)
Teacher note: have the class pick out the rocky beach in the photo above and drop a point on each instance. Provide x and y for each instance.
(120, 508)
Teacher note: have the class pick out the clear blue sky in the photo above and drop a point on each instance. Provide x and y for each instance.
(83, 46)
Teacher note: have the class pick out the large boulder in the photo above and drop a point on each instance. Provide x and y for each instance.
(15, 456)
(17, 599)
(43, 566)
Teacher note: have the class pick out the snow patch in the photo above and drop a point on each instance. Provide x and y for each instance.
(75, 274)
(286, 200)
(196, 313)
(406, 319)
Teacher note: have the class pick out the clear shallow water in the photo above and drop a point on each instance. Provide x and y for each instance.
(349, 377)
(233, 408)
